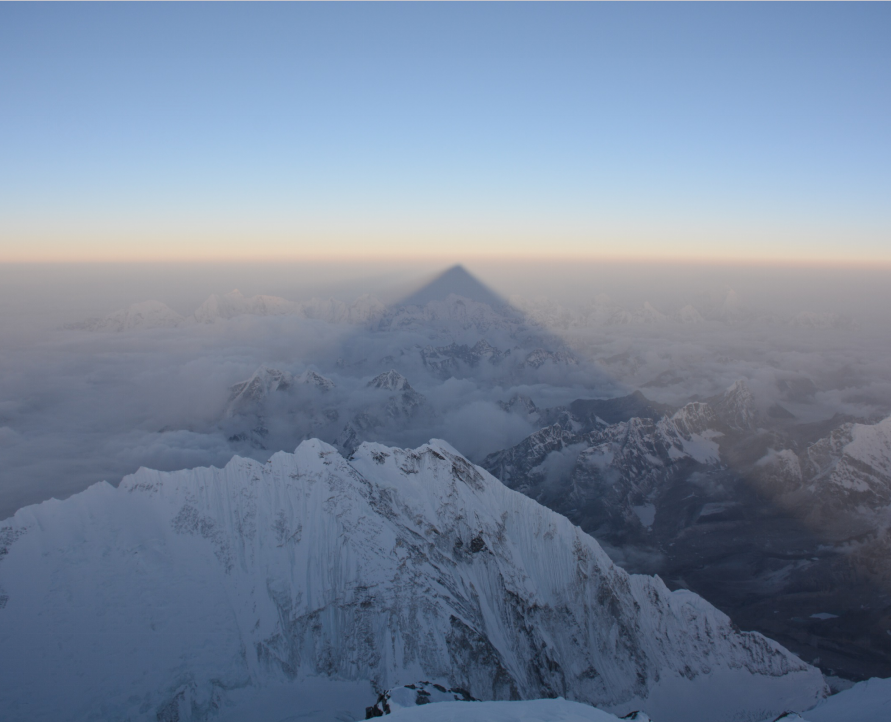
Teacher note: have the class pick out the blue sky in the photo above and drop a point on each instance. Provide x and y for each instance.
(205, 131)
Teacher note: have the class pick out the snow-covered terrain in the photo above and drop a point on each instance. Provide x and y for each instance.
(866, 702)
(539, 710)
(179, 595)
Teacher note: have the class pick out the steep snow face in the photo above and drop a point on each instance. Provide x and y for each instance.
(144, 315)
(176, 590)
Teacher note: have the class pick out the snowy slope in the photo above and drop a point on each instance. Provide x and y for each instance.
(868, 701)
(538, 710)
(176, 594)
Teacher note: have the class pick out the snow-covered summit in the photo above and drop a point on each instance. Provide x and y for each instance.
(232, 304)
(736, 407)
(176, 590)
(390, 380)
(251, 393)
(138, 316)
(313, 378)
(843, 476)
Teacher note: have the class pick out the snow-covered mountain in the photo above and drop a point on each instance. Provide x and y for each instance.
(138, 316)
(584, 461)
(364, 310)
(250, 396)
(609, 475)
(840, 482)
(396, 403)
(706, 496)
(403, 401)
(315, 380)
(736, 407)
(173, 594)
(218, 308)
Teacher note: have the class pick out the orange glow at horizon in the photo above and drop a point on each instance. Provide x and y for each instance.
(619, 248)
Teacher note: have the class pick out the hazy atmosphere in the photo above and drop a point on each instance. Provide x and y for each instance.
(462, 318)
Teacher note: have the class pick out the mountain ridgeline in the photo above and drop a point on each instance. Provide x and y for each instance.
(391, 566)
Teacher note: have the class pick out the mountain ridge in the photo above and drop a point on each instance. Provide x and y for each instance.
(391, 566)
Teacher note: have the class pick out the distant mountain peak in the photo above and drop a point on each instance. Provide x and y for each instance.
(390, 380)
(736, 406)
(455, 281)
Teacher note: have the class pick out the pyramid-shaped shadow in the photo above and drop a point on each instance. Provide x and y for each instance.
(454, 281)
(450, 334)
(457, 295)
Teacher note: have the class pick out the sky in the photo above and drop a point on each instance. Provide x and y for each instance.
(225, 132)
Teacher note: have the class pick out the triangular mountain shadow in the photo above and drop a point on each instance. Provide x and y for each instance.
(499, 329)
(458, 281)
